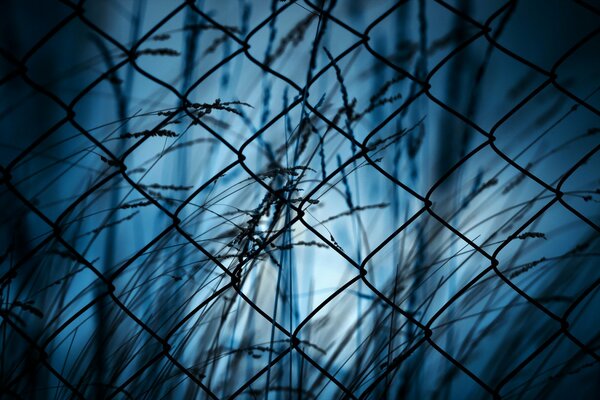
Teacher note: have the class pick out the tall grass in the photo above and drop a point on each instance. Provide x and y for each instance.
(298, 218)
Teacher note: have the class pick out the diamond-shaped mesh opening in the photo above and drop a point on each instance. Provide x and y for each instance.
(423, 266)
(562, 369)
(28, 229)
(349, 97)
(424, 363)
(20, 130)
(575, 72)
(306, 381)
(193, 45)
(542, 249)
(115, 19)
(82, 56)
(448, 32)
(463, 200)
(24, 358)
(172, 276)
(134, 109)
(485, 84)
(490, 312)
(247, 107)
(354, 208)
(228, 357)
(121, 349)
(299, 150)
(559, 26)
(294, 275)
(421, 143)
(58, 275)
(164, 160)
(234, 216)
(115, 210)
(553, 134)
(55, 167)
(291, 37)
(162, 378)
(20, 38)
(355, 335)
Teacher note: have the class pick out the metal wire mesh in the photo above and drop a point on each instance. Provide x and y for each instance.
(116, 166)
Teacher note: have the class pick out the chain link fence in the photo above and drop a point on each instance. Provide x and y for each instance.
(157, 348)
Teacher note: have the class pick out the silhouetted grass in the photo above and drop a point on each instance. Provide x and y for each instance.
(244, 238)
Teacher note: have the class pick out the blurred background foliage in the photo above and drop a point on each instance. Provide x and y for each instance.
(294, 199)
